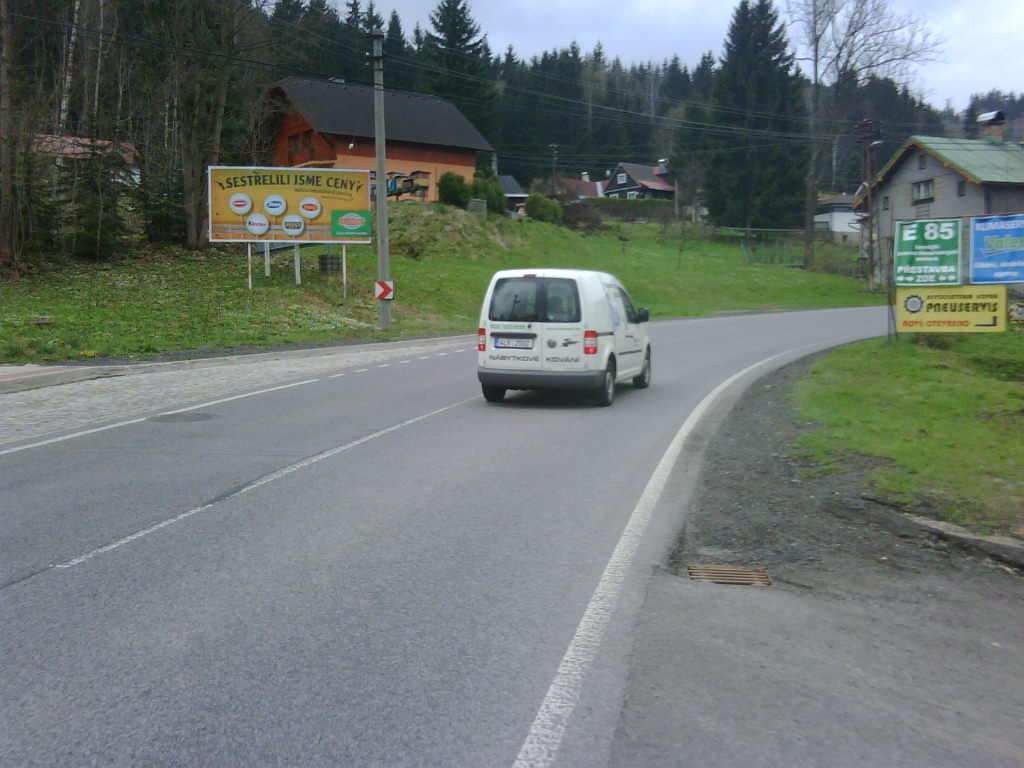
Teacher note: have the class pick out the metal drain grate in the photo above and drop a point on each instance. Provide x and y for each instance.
(730, 574)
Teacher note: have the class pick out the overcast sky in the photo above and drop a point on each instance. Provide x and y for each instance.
(982, 50)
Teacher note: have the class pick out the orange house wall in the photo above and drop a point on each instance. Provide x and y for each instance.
(359, 154)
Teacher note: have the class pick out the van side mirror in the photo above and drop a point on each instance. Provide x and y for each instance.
(643, 315)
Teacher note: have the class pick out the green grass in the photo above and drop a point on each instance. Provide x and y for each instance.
(441, 260)
(942, 421)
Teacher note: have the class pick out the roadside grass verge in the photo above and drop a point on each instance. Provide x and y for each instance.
(172, 301)
(941, 418)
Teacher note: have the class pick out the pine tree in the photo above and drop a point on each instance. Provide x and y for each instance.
(398, 70)
(755, 173)
(461, 57)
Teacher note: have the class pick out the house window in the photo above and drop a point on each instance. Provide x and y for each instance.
(885, 203)
(922, 161)
(961, 188)
(307, 143)
(293, 146)
(631, 194)
(923, 191)
(620, 179)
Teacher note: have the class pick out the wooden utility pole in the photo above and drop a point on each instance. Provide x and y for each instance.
(383, 257)
(8, 240)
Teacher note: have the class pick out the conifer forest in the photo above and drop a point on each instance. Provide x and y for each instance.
(758, 124)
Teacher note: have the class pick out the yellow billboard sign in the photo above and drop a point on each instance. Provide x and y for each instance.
(951, 309)
(309, 205)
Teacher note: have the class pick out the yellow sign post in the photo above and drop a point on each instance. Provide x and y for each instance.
(951, 309)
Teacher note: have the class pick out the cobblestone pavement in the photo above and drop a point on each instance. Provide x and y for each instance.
(156, 387)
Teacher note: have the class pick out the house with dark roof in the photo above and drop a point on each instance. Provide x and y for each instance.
(936, 178)
(634, 181)
(515, 196)
(330, 124)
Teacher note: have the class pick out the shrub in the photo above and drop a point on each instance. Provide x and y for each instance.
(582, 216)
(631, 210)
(489, 188)
(541, 208)
(453, 190)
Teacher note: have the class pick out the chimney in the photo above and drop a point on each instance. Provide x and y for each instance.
(585, 176)
(992, 125)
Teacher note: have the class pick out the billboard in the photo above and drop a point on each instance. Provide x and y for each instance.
(305, 205)
(956, 309)
(997, 249)
(927, 252)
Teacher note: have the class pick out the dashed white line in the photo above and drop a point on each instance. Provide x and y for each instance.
(258, 483)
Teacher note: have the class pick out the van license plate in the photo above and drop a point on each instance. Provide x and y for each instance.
(505, 343)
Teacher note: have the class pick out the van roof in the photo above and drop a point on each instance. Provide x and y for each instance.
(553, 272)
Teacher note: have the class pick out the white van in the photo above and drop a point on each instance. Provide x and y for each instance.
(560, 329)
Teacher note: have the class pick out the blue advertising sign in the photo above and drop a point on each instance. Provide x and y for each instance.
(997, 249)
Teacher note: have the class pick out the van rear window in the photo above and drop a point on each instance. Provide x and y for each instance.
(535, 299)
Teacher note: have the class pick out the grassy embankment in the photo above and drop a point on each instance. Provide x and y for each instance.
(441, 261)
(940, 423)
(944, 425)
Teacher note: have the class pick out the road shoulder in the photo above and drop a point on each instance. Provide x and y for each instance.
(881, 640)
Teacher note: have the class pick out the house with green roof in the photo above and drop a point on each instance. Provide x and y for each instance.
(937, 178)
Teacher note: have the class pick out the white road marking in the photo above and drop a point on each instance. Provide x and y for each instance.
(548, 729)
(361, 370)
(129, 422)
(258, 483)
(336, 375)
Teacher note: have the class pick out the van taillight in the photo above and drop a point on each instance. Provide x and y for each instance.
(481, 340)
(590, 342)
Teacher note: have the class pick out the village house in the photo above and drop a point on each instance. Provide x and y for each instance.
(835, 215)
(330, 124)
(633, 181)
(935, 178)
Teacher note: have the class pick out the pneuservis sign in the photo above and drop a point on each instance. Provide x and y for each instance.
(951, 309)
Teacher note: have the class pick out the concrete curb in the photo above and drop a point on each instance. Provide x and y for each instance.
(1005, 548)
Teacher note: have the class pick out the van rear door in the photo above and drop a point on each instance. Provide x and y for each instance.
(534, 323)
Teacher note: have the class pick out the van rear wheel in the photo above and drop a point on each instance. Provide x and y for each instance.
(643, 381)
(493, 394)
(605, 394)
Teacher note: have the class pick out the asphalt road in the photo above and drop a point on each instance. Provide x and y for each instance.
(365, 566)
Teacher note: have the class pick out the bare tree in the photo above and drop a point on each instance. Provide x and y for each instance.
(848, 41)
(205, 38)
